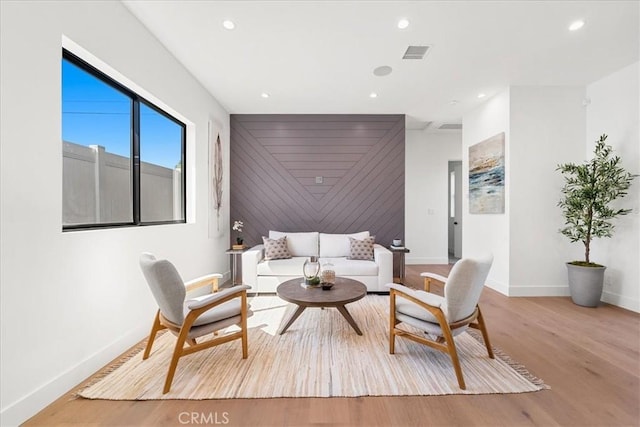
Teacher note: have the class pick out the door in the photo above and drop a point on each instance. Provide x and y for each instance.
(455, 208)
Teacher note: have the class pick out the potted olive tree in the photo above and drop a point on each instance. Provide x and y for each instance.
(587, 196)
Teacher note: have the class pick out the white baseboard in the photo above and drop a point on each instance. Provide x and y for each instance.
(422, 260)
(26, 407)
(563, 291)
(539, 291)
(621, 301)
(497, 286)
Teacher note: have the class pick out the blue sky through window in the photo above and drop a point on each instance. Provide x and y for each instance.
(95, 113)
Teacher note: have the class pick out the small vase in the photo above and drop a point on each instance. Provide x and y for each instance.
(310, 270)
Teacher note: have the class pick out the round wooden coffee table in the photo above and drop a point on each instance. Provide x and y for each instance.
(342, 293)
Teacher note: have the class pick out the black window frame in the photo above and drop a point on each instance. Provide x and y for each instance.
(135, 149)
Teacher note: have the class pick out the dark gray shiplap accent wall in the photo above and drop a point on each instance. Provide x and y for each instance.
(275, 160)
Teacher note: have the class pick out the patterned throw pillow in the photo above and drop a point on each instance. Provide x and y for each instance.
(276, 248)
(361, 249)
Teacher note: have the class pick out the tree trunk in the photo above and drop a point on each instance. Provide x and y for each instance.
(586, 251)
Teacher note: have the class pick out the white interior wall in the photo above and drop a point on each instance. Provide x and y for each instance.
(614, 110)
(73, 301)
(426, 196)
(487, 233)
(547, 126)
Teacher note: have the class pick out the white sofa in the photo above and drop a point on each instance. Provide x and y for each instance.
(265, 275)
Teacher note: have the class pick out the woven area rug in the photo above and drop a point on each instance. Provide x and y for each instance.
(319, 356)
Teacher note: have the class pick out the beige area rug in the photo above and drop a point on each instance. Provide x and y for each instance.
(319, 356)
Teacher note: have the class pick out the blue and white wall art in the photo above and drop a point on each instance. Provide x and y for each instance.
(486, 176)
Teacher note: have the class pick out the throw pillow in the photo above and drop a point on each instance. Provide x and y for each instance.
(276, 248)
(361, 249)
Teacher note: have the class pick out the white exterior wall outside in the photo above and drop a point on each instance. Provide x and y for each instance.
(97, 184)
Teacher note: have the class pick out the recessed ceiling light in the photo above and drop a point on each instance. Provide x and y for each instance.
(481, 95)
(403, 23)
(453, 102)
(383, 70)
(576, 25)
(229, 25)
(264, 95)
(373, 95)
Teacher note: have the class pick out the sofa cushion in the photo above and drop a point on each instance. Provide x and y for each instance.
(361, 249)
(276, 248)
(348, 267)
(337, 245)
(300, 244)
(281, 267)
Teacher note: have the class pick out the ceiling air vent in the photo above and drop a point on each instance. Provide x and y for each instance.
(415, 52)
(454, 126)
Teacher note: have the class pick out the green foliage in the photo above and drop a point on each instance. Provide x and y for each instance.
(588, 192)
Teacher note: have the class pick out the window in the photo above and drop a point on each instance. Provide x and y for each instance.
(123, 157)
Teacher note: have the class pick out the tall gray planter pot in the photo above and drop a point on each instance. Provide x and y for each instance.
(585, 284)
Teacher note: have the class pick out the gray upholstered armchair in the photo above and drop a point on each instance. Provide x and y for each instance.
(193, 318)
(442, 318)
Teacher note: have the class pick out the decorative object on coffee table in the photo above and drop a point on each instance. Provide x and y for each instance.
(310, 270)
(327, 276)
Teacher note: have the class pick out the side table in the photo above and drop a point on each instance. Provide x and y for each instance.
(400, 251)
(235, 253)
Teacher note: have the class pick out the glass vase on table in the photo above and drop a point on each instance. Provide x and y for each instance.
(311, 270)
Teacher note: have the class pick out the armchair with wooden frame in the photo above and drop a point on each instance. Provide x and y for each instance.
(442, 318)
(190, 319)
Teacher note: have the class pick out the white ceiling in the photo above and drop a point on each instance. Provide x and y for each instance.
(319, 56)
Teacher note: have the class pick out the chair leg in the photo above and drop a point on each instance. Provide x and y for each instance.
(177, 352)
(453, 353)
(192, 342)
(485, 334)
(152, 335)
(243, 314)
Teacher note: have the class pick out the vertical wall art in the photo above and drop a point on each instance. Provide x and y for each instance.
(215, 159)
(486, 176)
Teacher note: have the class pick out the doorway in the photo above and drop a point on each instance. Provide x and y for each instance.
(455, 210)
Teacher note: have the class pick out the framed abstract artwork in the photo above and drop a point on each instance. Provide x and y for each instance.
(486, 176)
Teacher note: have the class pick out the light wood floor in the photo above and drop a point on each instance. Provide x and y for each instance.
(590, 358)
